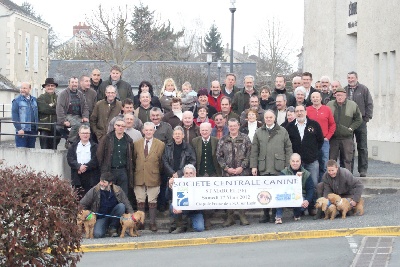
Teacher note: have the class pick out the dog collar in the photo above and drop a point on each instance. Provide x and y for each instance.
(133, 218)
(89, 217)
(329, 203)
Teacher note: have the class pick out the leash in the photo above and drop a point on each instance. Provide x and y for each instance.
(111, 216)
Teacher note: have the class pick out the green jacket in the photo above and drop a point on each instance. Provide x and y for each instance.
(47, 110)
(306, 185)
(346, 116)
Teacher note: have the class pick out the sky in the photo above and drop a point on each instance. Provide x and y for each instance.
(195, 16)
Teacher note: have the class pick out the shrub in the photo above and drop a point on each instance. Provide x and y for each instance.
(38, 220)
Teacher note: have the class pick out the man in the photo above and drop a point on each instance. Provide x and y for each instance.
(147, 156)
(233, 153)
(339, 181)
(360, 94)
(124, 89)
(104, 111)
(115, 154)
(306, 79)
(307, 139)
(214, 98)
(296, 82)
(280, 89)
(129, 120)
(47, 114)
(72, 110)
(220, 128)
(229, 89)
(175, 116)
(318, 86)
(195, 216)
(95, 80)
(226, 109)
(347, 118)
(281, 108)
(326, 93)
(143, 111)
(334, 86)
(127, 107)
(190, 129)
(163, 131)
(270, 152)
(323, 115)
(241, 99)
(82, 159)
(106, 199)
(24, 110)
(89, 93)
(202, 99)
(207, 165)
(254, 103)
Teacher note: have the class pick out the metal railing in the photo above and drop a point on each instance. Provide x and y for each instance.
(54, 130)
(5, 112)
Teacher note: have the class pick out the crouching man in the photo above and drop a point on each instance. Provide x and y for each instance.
(106, 200)
(340, 181)
(196, 216)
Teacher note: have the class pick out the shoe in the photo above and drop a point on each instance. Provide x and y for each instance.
(67, 144)
(112, 232)
(363, 174)
(171, 229)
(265, 218)
(297, 218)
(278, 220)
(179, 230)
(318, 215)
(153, 227)
(312, 212)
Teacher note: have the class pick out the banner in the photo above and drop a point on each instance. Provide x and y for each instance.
(237, 192)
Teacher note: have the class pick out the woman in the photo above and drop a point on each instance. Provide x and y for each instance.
(146, 86)
(290, 116)
(202, 113)
(251, 124)
(168, 91)
(300, 94)
(266, 101)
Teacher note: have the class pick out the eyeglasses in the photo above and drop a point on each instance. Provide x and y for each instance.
(119, 125)
(300, 111)
(84, 133)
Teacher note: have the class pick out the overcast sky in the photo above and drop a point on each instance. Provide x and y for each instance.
(250, 16)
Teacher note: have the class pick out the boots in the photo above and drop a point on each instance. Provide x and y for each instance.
(207, 219)
(152, 215)
(141, 206)
(229, 219)
(242, 218)
(265, 218)
(180, 225)
(273, 215)
(318, 215)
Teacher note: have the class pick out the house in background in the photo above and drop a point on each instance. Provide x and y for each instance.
(23, 48)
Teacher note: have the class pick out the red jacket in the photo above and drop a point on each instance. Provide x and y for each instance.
(215, 102)
(324, 117)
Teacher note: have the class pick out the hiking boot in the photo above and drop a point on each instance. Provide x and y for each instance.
(242, 218)
(112, 232)
(265, 218)
(229, 220)
(179, 230)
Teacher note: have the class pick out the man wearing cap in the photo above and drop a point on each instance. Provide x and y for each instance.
(202, 100)
(47, 114)
(24, 112)
(347, 118)
(106, 200)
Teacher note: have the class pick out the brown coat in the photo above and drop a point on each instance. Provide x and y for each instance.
(102, 114)
(148, 169)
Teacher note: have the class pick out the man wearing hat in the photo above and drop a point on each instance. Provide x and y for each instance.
(347, 118)
(47, 103)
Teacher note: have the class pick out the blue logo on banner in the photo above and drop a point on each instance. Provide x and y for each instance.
(182, 199)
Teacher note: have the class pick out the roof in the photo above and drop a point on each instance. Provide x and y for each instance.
(13, 6)
(6, 84)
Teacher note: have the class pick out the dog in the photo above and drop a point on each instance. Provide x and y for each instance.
(132, 222)
(343, 204)
(327, 207)
(88, 219)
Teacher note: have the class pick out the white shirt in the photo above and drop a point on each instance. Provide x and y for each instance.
(179, 114)
(148, 145)
(252, 126)
(301, 128)
(281, 117)
(83, 153)
(206, 140)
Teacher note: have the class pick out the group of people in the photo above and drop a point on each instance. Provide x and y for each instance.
(125, 151)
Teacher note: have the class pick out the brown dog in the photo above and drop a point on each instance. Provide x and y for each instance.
(343, 204)
(328, 208)
(132, 222)
(88, 219)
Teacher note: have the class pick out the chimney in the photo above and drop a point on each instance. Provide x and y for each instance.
(81, 27)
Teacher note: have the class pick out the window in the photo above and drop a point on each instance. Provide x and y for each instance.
(27, 47)
(19, 42)
(36, 54)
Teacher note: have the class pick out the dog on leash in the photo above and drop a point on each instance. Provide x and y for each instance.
(132, 221)
(88, 220)
(327, 207)
(343, 204)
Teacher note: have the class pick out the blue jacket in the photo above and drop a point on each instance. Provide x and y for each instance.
(21, 111)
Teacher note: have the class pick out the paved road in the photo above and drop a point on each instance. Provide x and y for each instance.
(340, 252)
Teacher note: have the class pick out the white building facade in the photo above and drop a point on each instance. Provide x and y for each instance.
(362, 36)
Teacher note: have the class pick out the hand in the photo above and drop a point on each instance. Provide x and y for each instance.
(67, 124)
(254, 171)
(20, 132)
(326, 139)
(231, 171)
(353, 203)
(175, 211)
(175, 175)
(305, 204)
(82, 168)
(299, 174)
(85, 119)
(170, 182)
(238, 170)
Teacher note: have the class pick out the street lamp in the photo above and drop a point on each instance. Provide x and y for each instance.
(209, 61)
(219, 70)
(232, 9)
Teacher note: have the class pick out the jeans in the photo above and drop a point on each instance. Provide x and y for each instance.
(323, 158)
(26, 141)
(362, 148)
(296, 212)
(121, 179)
(195, 216)
(102, 225)
(313, 168)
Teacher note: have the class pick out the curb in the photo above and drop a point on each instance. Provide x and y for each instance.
(368, 231)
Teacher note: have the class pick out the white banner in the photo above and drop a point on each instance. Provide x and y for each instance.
(238, 192)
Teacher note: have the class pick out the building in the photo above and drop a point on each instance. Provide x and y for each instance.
(341, 36)
(23, 47)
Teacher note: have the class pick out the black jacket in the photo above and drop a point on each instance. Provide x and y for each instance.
(92, 165)
(188, 156)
